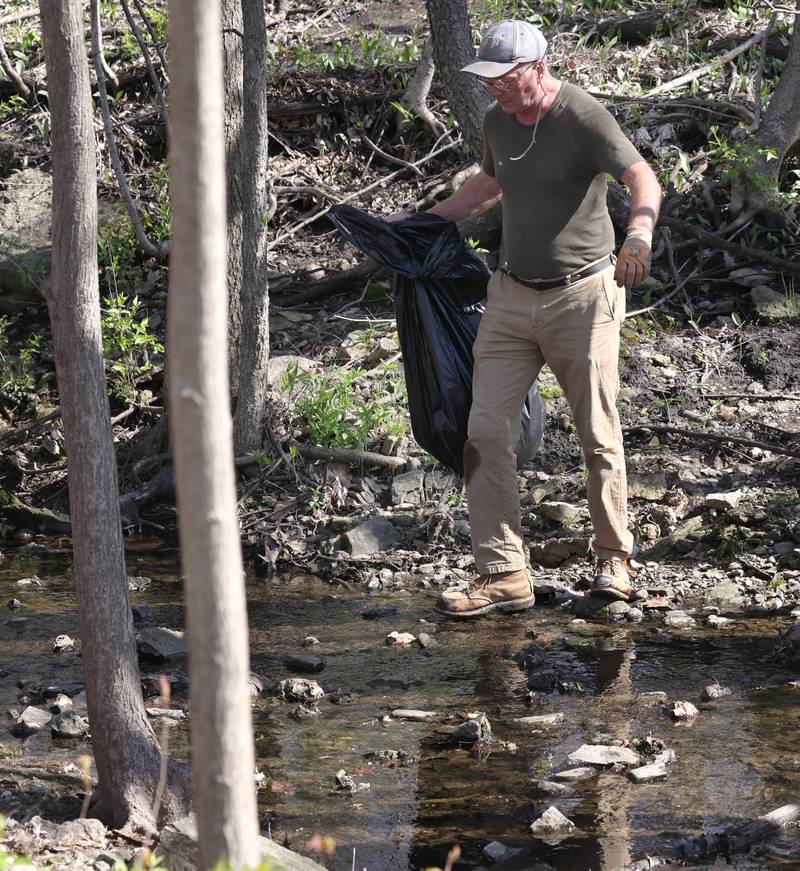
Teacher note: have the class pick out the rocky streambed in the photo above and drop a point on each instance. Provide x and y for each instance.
(565, 737)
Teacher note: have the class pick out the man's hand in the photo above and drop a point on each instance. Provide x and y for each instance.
(633, 260)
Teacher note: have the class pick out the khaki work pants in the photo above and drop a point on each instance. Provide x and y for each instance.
(575, 330)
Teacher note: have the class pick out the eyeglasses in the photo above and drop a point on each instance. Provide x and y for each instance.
(504, 83)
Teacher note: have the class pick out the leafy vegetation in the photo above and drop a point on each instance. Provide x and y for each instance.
(128, 344)
(17, 377)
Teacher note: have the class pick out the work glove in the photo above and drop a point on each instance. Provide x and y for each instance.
(633, 260)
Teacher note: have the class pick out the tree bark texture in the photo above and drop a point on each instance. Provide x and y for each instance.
(452, 50)
(232, 40)
(222, 737)
(127, 754)
(254, 343)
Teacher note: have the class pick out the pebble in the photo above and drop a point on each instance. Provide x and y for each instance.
(716, 621)
(714, 691)
(345, 783)
(14, 604)
(300, 689)
(400, 639)
(575, 774)
(682, 711)
(678, 620)
(310, 641)
(552, 820)
(425, 641)
(63, 644)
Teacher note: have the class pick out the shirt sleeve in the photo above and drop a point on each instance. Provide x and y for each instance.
(606, 146)
(488, 158)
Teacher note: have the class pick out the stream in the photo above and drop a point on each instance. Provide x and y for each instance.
(738, 759)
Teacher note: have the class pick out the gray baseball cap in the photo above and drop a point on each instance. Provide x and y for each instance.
(504, 46)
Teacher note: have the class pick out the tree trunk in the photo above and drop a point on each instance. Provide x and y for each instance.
(222, 736)
(127, 754)
(452, 50)
(779, 133)
(254, 348)
(232, 33)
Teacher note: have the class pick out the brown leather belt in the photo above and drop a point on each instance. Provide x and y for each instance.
(566, 280)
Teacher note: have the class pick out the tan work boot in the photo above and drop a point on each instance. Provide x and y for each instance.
(612, 580)
(504, 591)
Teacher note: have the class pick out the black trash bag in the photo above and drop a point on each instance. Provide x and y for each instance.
(439, 283)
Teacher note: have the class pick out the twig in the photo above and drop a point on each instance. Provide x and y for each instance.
(390, 157)
(704, 435)
(347, 455)
(137, 33)
(717, 62)
(381, 181)
(759, 76)
(19, 83)
(19, 16)
(678, 287)
(149, 248)
(153, 39)
(756, 397)
(687, 229)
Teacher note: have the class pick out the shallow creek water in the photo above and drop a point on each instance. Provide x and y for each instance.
(740, 758)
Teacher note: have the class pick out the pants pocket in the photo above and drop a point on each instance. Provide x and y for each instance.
(609, 291)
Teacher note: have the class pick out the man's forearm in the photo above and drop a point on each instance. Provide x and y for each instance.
(477, 194)
(646, 196)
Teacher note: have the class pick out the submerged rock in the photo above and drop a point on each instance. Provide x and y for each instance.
(552, 820)
(69, 724)
(648, 773)
(602, 755)
(412, 714)
(573, 775)
(682, 711)
(158, 642)
(345, 783)
(303, 662)
(539, 786)
(714, 691)
(400, 639)
(299, 689)
(31, 720)
(498, 852)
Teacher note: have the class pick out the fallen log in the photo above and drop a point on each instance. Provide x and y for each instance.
(740, 838)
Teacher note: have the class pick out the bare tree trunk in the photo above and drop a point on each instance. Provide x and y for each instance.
(126, 751)
(222, 736)
(452, 50)
(254, 348)
(779, 133)
(232, 36)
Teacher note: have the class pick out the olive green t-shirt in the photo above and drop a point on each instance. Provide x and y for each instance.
(555, 218)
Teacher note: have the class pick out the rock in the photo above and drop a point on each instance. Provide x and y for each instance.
(662, 548)
(498, 852)
(573, 775)
(477, 728)
(60, 704)
(139, 584)
(773, 305)
(682, 711)
(726, 596)
(426, 641)
(31, 720)
(279, 365)
(68, 724)
(169, 715)
(375, 536)
(74, 833)
(678, 620)
(63, 644)
(142, 614)
(716, 621)
(714, 691)
(304, 663)
(559, 512)
(345, 783)
(543, 787)
(556, 551)
(552, 820)
(751, 276)
(618, 609)
(666, 757)
(25, 225)
(178, 847)
(634, 615)
(14, 604)
(411, 714)
(725, 501)
(304, 712)
(300, 689)
(590, 606)
(603, 755)
(400, 639)
(408, 488)
(310, 641)
(648, 773)
(380, 613)
(650, 487)
(543, 681)
(541, 719)
(158, 642)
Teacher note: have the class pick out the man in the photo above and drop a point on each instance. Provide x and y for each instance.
(557, 299)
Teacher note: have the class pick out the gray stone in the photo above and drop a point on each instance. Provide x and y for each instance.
(716, 621)
(425, 641)
(556, 551)
(559, 512)
(573, 775)
(69, 724)
(178, 846)
(678, 620)
(475, 729)
(634, 615)
(552, 820)
(279, 365)
(751, 276)
(158, 642)
(724, 501)
(590, 606)
(63, 644)
(400, 639)
(168, 715)
(346, 783)
(374, 536)
(25, 227)
(300, 689)
(650, 487)
(497, 852)
(682, 711)
(539, 786)
(714, 691)
(541, 719)
(31, 720)
(618, 609)
(60, 704)
(773, 305)
(304, 663)
(602, 755)
(662, 548)
(412, 714)
(648, 773)
(74, 833)
(726, 595)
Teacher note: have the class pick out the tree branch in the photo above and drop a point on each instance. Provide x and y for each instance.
(137, 33)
